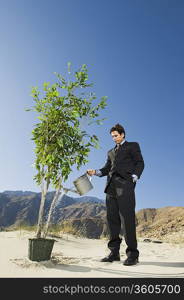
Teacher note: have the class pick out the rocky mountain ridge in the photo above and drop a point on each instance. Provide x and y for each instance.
(87, 216)
(17, 207)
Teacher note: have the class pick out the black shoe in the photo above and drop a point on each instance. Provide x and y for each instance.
(130, 261)
(111, 257)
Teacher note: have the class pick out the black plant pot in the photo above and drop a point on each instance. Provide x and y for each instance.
(40, 249)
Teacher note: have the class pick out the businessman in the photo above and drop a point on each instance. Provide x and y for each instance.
(123, 168)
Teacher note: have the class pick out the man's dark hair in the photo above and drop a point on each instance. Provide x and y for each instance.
(118, 128)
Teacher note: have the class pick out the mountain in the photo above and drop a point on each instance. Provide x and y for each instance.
(15, 207)
(87, 215)
(89, 199)
(165, 223)
(90, 227)
(18, 207)
(79, 210)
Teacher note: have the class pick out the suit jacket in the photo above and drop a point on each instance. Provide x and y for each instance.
(125, 162)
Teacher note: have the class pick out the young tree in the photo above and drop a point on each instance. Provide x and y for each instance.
(60, 143)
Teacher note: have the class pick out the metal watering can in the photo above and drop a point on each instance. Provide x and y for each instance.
(83, 185)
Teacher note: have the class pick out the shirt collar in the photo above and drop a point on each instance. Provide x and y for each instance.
(122, 142)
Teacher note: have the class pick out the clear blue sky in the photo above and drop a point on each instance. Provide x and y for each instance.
(134, 51)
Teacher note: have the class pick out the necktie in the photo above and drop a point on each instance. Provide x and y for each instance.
(117, 147)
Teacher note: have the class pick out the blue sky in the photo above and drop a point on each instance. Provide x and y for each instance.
(134, 51)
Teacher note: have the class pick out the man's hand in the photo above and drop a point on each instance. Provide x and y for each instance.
(91, 172)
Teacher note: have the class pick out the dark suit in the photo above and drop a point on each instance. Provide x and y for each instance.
(120, 199)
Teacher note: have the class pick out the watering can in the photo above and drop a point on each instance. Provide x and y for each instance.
(83, 185)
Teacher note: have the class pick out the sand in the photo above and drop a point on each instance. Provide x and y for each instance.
(75, 257)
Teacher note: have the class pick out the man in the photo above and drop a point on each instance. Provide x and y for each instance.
(123, 167)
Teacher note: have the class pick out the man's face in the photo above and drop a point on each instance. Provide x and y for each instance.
(117, 137)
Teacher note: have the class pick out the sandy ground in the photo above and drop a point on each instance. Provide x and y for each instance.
(74, 257)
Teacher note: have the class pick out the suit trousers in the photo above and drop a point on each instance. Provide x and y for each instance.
(120, 203)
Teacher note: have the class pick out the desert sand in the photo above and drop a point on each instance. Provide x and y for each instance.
(76, 257)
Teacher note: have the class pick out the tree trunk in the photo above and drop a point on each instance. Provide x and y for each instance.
(41, 210)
